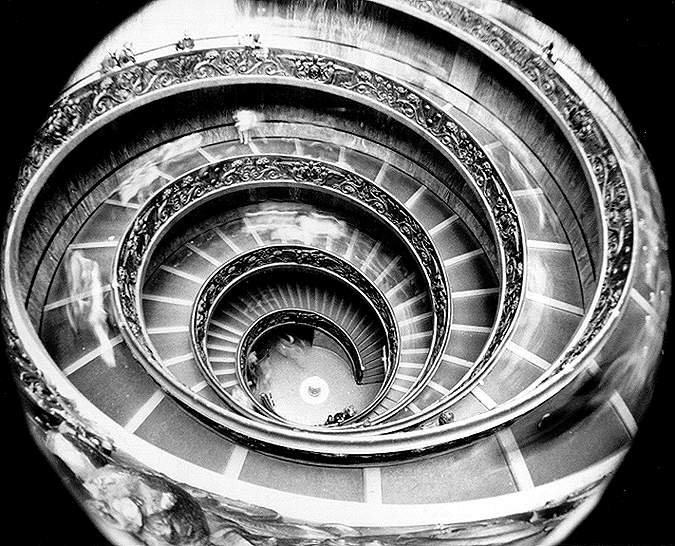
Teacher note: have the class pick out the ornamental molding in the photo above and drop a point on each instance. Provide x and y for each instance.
(208, 182)
(587, 135)
(73, 112)
(268, 258)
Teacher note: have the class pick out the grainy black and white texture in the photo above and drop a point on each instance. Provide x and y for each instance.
(628, 45)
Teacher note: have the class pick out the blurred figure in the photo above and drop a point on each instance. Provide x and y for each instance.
(87, 308)
(318, 225)
(142, 182)
(179, 147)
(548, 51)
(252, 42)
(446, 417)
(630, 375)
(186, 43)
(139, 507)
(119, 58)
(303, 227)
(247, 121)
(341, 416)
(241, 399)
(139, 184)
(291, 347)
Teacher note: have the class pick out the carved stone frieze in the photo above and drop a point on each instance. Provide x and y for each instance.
(188, 190)
(239, 268)
(271, 258)
(588, 136)
(84, 105)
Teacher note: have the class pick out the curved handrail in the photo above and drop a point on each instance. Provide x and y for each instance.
(266, 259)
(602, 315)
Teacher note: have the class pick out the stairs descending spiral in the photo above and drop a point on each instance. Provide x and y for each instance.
(399, 283)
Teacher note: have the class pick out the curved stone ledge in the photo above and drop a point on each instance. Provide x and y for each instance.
(214, 180)
(269, 258)
(586, 134)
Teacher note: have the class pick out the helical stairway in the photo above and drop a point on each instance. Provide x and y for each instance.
(369, 273)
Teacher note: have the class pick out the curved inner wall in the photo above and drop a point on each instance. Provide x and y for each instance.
(196, 112)
(371, 263)
(289, 113)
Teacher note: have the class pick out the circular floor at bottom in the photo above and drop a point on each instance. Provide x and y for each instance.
(309, 383)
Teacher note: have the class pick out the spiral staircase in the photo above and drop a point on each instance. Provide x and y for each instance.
(383, 273)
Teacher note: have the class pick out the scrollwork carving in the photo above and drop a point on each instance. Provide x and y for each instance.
(236, 270)
(140, 79)
(214, 178)
(590, 138)
(77, 110)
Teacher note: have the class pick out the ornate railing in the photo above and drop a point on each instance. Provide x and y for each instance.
(75, 114)
(64, 418)
(183, 70)
(246, 372)
(585, 134)
(213, 180)
(271, 258)
(120, 87)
